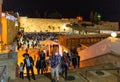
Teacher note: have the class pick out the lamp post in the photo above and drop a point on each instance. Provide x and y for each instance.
(114, 34)
(99, 17)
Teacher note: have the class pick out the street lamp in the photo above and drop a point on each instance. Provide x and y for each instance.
(114, 34)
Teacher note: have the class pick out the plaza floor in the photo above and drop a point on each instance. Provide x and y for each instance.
(45, 78)
(109, 76)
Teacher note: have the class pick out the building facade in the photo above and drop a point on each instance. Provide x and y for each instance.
(9, 28)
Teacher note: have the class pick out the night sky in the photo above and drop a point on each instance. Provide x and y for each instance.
(109, 9)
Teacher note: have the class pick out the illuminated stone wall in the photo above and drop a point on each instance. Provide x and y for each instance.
(1, 1)
(45, 25)
(58, 25)
(9, 30)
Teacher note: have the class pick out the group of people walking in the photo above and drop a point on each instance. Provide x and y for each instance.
(58, 64)
(28, 63)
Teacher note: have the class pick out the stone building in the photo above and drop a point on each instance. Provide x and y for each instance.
(9, 28)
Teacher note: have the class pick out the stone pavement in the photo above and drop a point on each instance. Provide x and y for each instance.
(43, 78)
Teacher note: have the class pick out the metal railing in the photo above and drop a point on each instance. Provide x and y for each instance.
(3, 77)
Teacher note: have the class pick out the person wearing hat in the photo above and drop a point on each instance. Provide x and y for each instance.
(29, 63)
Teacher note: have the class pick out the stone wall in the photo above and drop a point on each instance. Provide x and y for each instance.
(45, 25)
(59, 25)
(102, 60)
(11, 68)
(108, 26)
(12, 31)
(9, 30)
(10, 64)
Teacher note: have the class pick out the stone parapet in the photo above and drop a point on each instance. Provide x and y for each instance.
(10, 64)
(101, 61)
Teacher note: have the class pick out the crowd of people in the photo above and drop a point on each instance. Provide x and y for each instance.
(58, 64)
(32, 40)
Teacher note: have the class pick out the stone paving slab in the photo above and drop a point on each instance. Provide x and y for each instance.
(43, 78)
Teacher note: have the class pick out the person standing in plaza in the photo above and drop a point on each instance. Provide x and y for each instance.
(54, 61)
(78, 56)
(38, 65)
(78, 61)
(64, 64)
(42, 61)
(29, 63)
(73, 57)
(21, 71)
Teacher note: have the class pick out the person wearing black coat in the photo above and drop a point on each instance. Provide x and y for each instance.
(38, 65)
(41, 64)
(42, 61)
(29, 63)
(64, 64)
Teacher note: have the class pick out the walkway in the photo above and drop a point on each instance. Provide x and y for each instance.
(45, 78)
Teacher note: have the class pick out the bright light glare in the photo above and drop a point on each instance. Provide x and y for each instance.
(65, 51)
(3, 14)
(114, 34)
(64, 27)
